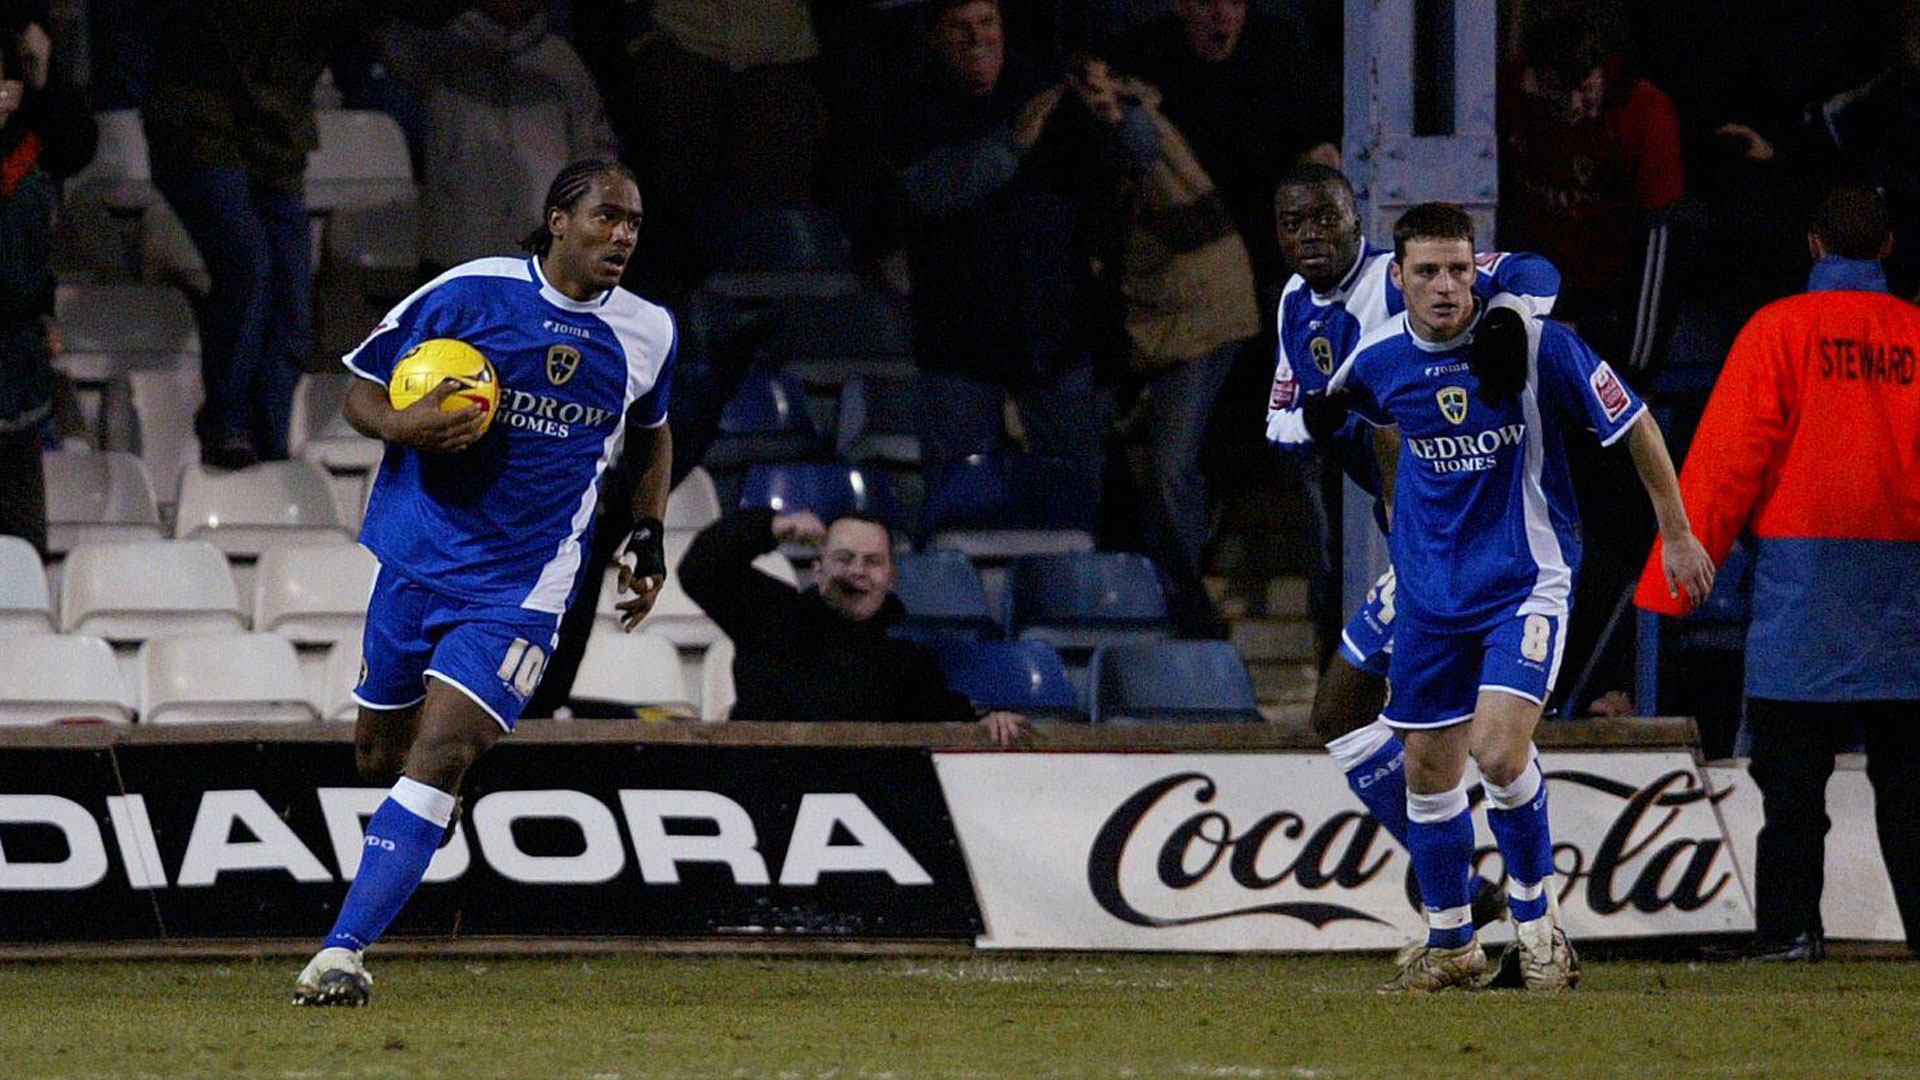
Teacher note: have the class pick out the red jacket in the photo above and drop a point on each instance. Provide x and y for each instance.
(1812, 441)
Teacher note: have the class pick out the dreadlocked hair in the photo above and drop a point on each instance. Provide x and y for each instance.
(566, 190)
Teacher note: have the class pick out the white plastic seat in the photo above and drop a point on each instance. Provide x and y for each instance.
(221, 678)
(119, 175)
(164, 401)
(716, 681)
(675, 616)
(318, 432)
(342, 674)
(25, 607)
(695, 503)
(313, 595)
(168, 255)
(361, 161)
(109, 330)
(246, 511)
(132, 592)
(48, 679)
(100, 497)
(636, 670)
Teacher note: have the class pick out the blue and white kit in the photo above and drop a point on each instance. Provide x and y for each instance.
(1487, 534)
(1318, 333)
(479, 549)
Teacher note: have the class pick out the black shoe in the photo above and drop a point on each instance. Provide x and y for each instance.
(1808, 948)
(1489, 903)
(232, 453)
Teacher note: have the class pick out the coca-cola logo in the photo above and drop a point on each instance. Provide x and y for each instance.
(1644, 860)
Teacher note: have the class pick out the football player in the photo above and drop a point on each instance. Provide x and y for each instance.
(479, 537)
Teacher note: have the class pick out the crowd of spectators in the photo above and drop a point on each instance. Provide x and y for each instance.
(1082, 193)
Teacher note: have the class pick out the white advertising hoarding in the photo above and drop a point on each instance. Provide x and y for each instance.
(1272, 852)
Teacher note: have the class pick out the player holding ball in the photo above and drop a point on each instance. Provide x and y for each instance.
(503, 389)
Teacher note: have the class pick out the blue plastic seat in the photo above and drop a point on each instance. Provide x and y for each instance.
(1172, 682)
(944, 597)
(826, 339)
(774, 238)
(879, 420)
(830, 489)
(1082, 600)
(1001, 505)
(766, 420)
(1024, 676)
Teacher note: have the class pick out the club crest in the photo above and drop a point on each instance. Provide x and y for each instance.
(1322, 350)
(1453, 403)
(562, 362)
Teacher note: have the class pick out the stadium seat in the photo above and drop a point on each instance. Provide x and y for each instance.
(829, 489)
(334, 696)
(999, 506)
(97, 497)
(313, 595)
(1172, 682)
(675, 616)
(824, 340)
(716, 681)
(765, 420)
(168, 256)
(25, 607)
(131, 592)
(1025, 676)
(49, 679)
(109, 330)
(694, 503)
(119, 175)
(246, 511)
(318, 432)
(163, 403)
(879, 420)
(772, 253)
(943, 596)
(377, 247)
(221, 678)
(361, 161)
(631, 672)
(1081, 600)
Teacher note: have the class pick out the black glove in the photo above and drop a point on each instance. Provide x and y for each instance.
(1498, 357)
(644, 554)
(1324, 413)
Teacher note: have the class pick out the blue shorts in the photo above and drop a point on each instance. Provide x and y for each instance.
(494, 655)
(1367, 641)
(1436, 675)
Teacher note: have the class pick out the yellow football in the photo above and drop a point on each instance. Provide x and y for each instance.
(428, 363)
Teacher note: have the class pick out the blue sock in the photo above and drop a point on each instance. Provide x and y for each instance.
(402, 836)
(1517, 814)
(1440, 837)
(1374, 762)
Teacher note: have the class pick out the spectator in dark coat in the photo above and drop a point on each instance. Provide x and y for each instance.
(820, 654)
(26, 311)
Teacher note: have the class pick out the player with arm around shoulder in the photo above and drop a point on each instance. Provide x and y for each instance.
(1486, 543)
(479, 528)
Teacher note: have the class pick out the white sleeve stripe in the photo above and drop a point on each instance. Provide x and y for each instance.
(499, 266)
(352, 367)
(1625, 426)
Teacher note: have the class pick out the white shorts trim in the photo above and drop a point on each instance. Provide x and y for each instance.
(1405, 725)
(1498, 689)
(377, 707)
(456, 684)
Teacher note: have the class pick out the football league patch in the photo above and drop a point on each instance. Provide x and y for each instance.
(1286, 390)
(1610, 391)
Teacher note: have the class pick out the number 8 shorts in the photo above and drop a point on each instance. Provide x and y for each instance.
(1436, 675)
(494, 655)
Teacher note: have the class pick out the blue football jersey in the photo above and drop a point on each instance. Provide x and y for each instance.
(503, 521)
(1485, 523)
(1319, 331)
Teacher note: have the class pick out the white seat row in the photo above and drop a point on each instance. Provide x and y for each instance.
(108, 496)
(238, 677)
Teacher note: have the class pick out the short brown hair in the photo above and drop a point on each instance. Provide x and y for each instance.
(1431, 221)
(1851, 221)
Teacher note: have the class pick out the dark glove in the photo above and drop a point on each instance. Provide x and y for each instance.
(1498, 357)
(1324, 413)
(644, 554)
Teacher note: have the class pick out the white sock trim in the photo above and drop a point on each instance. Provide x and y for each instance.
(1522, 791)
(429, 803)
(1452, 918)
(1354, 747)
(1518, 890)
(1438, 807)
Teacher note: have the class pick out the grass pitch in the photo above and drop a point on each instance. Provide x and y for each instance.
(635, 1016)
